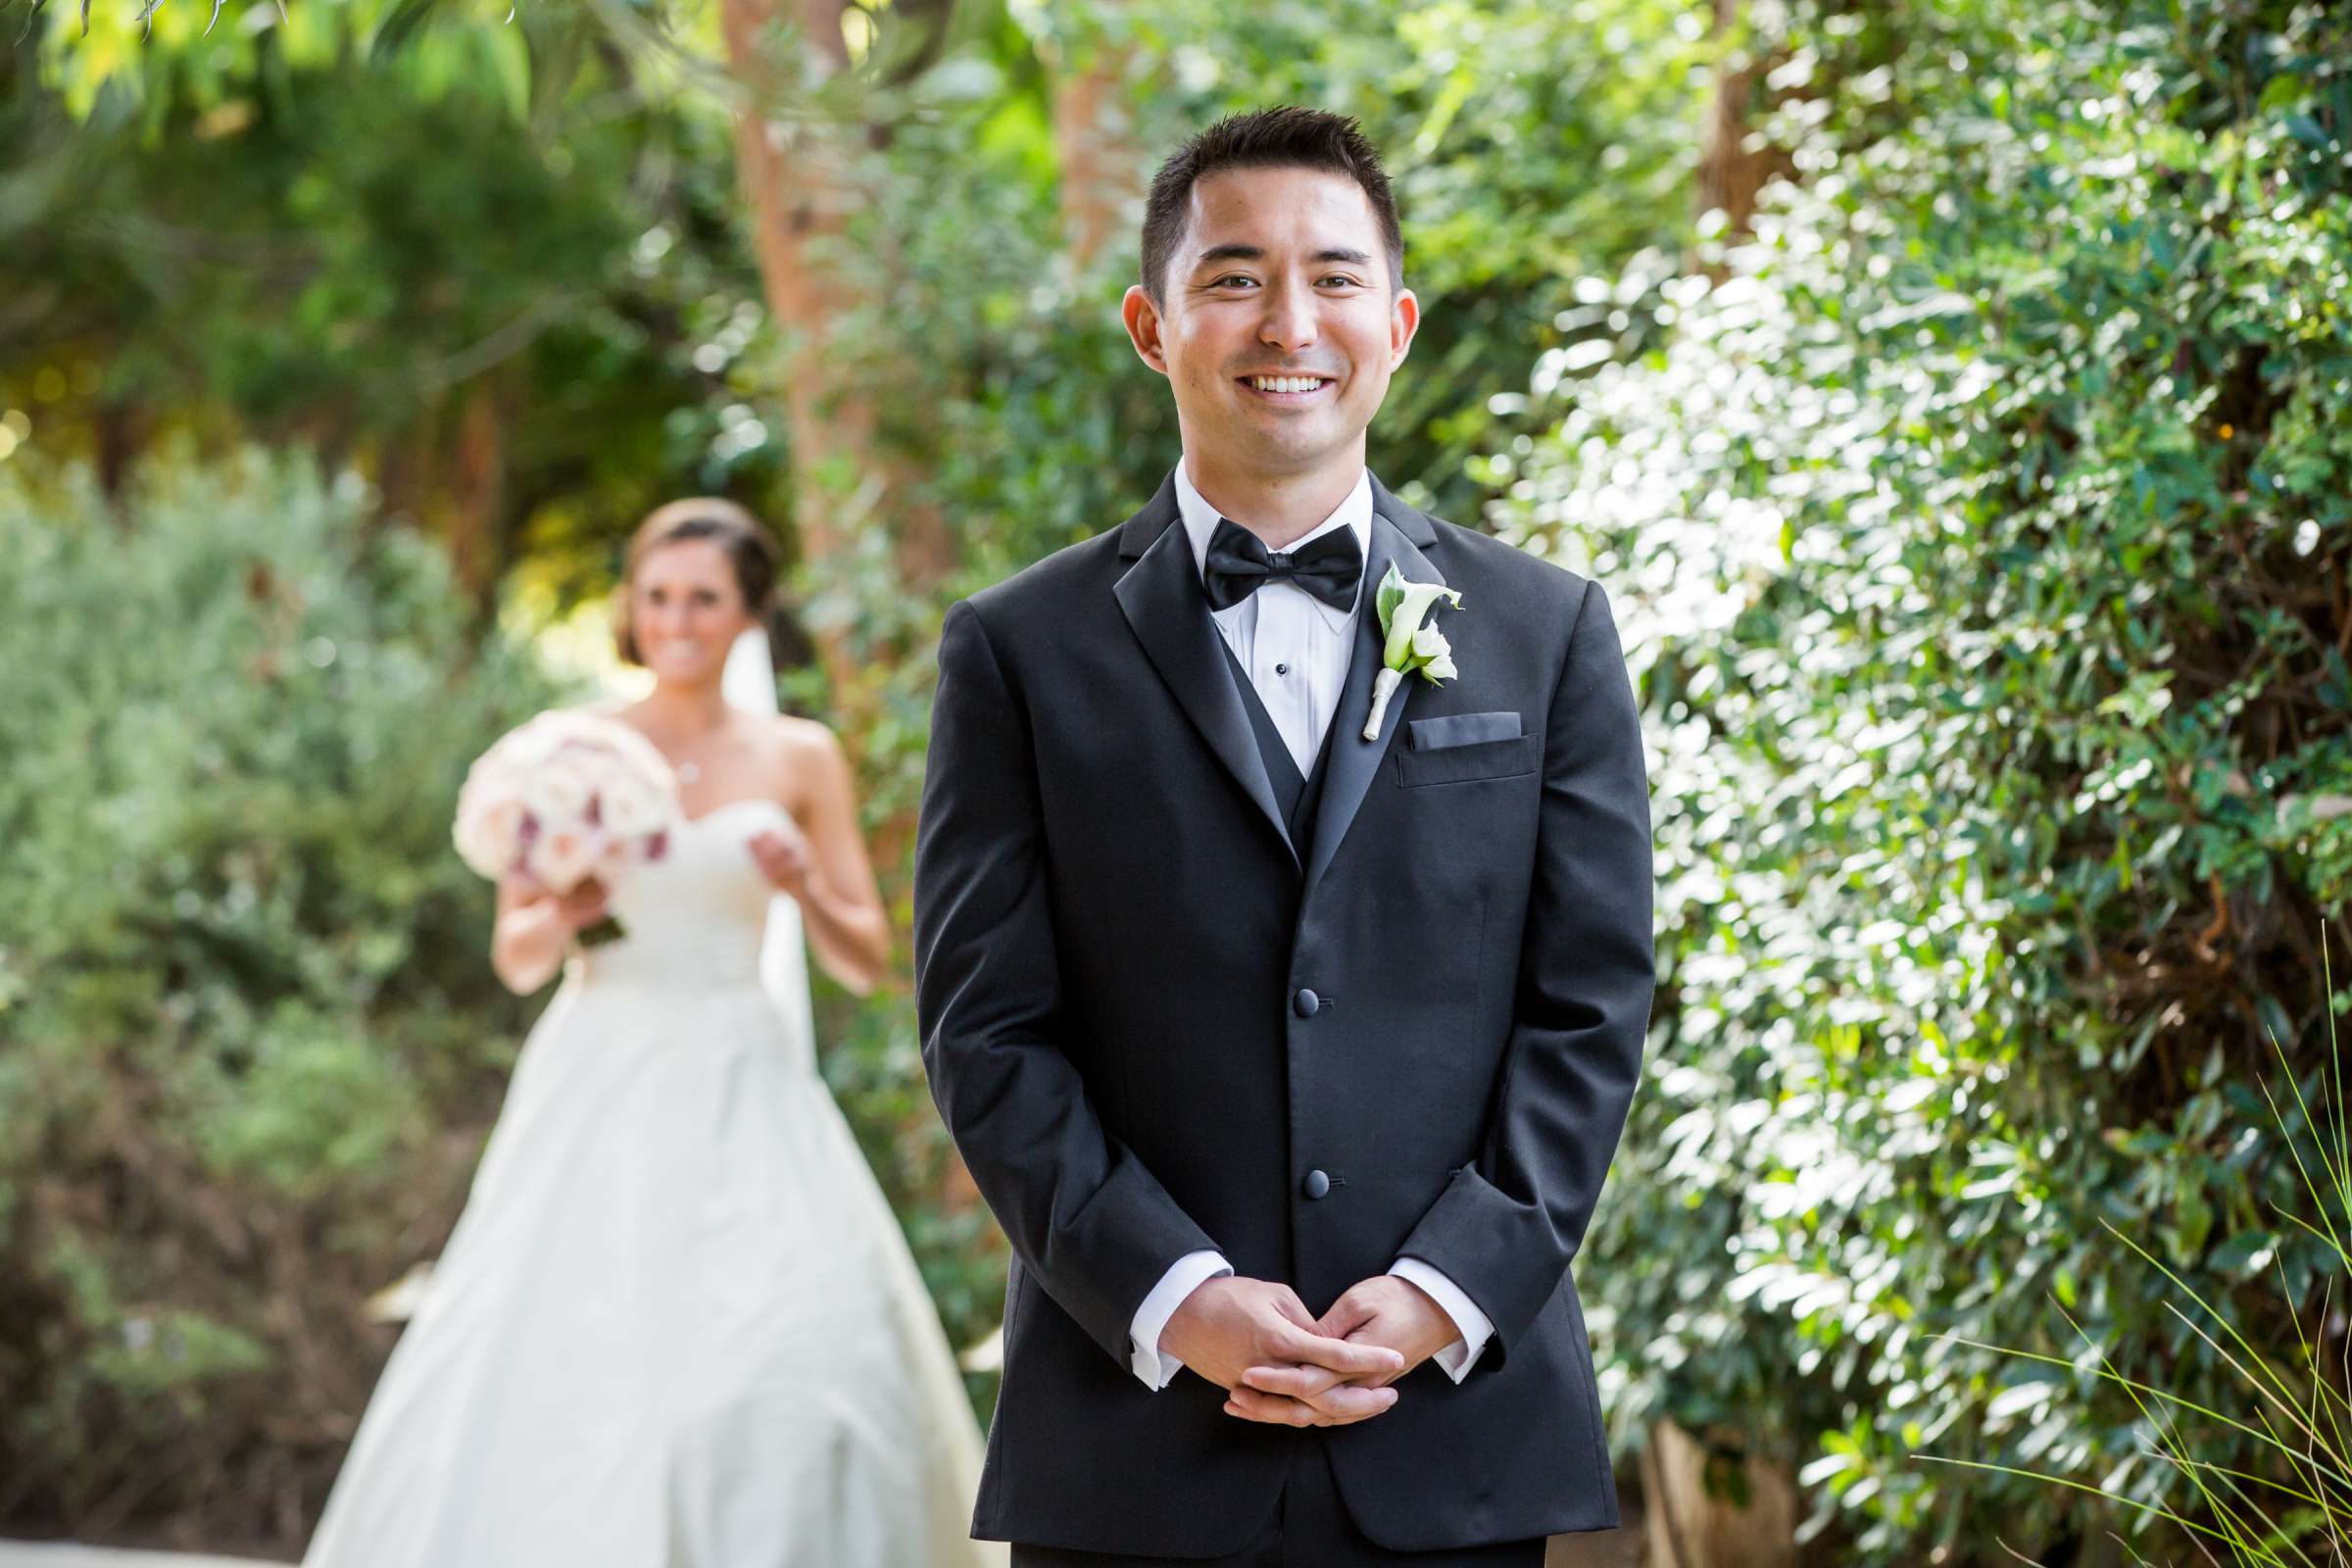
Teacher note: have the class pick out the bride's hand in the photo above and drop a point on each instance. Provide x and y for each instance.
(579, 908)
(782, 854)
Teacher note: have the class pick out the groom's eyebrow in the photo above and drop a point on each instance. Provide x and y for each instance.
(1252, 253)
(1228, 253)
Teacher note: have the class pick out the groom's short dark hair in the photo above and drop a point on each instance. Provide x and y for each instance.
(1286, 136)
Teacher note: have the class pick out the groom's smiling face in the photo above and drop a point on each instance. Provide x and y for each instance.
(1278, 322)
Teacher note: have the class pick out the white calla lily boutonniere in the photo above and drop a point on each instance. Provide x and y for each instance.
(1410, 646)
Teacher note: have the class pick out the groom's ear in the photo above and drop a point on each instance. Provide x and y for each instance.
(1143, 327)
(1404, 319)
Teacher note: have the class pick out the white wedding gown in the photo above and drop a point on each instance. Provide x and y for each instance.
(676, 1325)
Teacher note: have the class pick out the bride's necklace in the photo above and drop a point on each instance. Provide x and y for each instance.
(688, 769)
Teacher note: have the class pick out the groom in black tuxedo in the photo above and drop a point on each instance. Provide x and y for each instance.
(1290, 1058)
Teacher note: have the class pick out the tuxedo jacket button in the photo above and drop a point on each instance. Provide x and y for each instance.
(1315, 1184)
(1305, 1003)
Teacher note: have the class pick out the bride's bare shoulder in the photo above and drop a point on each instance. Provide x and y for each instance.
(793, 735)
(804, 759)
(602, 708)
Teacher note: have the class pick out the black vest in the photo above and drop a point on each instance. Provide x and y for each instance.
(1298, 797)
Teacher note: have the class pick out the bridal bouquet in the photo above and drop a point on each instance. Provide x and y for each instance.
(565, 797)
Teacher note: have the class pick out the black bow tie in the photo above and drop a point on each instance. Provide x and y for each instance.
(1237, 564)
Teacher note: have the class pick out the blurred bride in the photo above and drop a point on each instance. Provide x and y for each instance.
(676, 1325)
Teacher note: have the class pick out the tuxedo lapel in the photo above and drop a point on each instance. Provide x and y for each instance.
(1160, 596)
(1355, 760)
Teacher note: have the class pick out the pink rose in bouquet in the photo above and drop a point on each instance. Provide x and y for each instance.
(568, 796)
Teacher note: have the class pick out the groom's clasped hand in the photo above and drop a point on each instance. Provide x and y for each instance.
(1280, 1364)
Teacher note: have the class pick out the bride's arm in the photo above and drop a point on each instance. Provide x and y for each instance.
(533, 930)
(840, 907)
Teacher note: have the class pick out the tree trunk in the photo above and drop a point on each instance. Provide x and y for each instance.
(474, 511)
(1093, 136)
(446, 473)
(1688, 1524)
(1730, 172)
(798, 178)
(120, 427)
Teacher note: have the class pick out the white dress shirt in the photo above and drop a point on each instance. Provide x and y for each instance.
(1296, 650)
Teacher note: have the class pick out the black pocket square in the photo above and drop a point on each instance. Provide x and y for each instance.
(1461, 729)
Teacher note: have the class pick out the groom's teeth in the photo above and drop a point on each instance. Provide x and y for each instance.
(1285, 383)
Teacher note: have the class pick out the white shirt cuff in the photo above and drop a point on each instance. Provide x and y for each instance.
(1476, 1327)
(1156, 1366)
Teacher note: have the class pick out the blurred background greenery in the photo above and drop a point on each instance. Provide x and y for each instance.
(1942, 390)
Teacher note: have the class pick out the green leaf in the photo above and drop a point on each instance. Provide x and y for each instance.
(1389, 596)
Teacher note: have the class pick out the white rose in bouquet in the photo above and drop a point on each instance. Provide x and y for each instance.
(560, 859)
(491, 833)
(631, 808)
(560, 790)
(568, 796)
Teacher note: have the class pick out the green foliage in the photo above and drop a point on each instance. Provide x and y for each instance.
(2288, 1405)
(1980, 542)
(288, 253)
(166, 54)
(249, 1039)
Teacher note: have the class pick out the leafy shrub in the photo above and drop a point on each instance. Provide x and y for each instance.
(249, 1036)
(1981, 537)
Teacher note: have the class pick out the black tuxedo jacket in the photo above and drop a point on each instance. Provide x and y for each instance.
(1147, 1017)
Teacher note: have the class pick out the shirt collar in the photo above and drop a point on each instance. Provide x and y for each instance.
(1355, 511)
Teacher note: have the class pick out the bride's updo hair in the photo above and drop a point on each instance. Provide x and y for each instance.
(750, 550)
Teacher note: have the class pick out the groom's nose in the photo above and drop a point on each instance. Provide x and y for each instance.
(1288, 322)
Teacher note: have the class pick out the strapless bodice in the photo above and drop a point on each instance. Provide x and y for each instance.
(696, 917)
